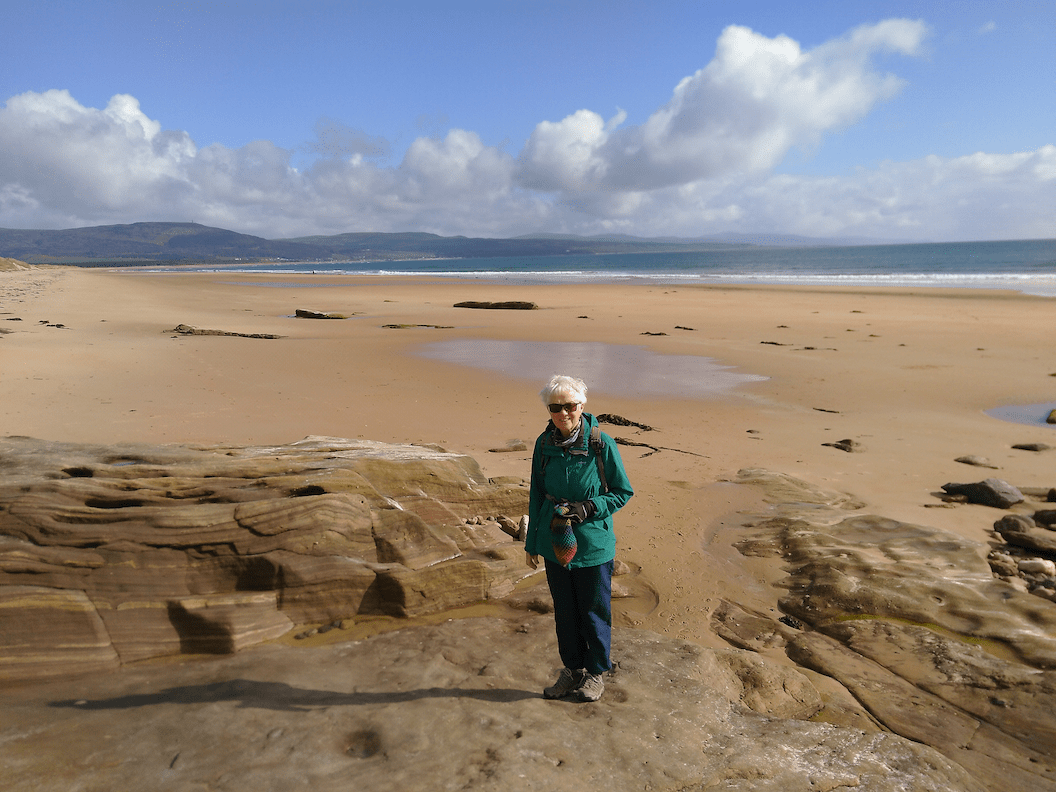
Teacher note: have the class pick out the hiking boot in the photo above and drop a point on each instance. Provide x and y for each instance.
(567, 682)
(592, 687)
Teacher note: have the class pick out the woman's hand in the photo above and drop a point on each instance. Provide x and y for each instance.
(580, 511)
(531, 560)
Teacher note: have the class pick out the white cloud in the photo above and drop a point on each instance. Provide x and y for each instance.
(565, 155)
(701, 163)
(739, 115)
(67, 158)
(979, 196)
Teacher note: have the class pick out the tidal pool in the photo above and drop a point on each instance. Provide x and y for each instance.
(619, 370)
(1031, 414)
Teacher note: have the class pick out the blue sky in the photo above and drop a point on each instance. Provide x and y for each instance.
(889, 120)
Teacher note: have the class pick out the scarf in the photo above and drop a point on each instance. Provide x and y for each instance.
(571, 440)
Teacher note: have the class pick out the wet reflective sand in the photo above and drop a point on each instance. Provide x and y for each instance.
(619, 370)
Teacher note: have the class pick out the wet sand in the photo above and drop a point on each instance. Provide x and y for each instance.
(908, 374)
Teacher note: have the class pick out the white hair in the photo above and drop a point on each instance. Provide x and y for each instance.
(562, 385)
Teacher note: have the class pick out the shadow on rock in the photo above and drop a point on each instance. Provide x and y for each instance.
(283, 697)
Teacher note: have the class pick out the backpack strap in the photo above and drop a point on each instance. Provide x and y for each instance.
(597, 446)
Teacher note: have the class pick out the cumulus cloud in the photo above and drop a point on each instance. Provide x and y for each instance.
(567, 154)
(702, 163)
(979, 196)
(740, 114)
(63, 164)
(61, 157)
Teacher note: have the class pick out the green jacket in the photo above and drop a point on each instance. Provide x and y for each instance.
(572, 475)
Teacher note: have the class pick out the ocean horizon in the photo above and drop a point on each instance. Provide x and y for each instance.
(1027, 266)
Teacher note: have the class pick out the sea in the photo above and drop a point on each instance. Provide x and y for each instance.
(1027, 266)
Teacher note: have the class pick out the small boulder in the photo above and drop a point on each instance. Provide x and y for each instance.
(977, 461)
(1038, 541)
(848, 445)
(301, 313)
(509, 305)
(511, 446)
(1037, 566)
(1014, 523)
(1046, 518)
(1002, 564)
(991, 492)
(518, 530)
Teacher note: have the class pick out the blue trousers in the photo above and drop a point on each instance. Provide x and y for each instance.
(582, 614)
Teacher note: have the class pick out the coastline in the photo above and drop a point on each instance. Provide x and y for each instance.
(907, 373)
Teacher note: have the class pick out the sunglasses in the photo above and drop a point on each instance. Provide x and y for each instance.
(571, 407)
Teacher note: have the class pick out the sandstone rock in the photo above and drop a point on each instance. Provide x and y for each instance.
(302, 313)
(1015, 523)
(1018, 530)
(452, 706)
(848, 445)
(977, 461)
(511, 446)
(324, 588)
(517, 530)
(872, 567)
(509, 305)
(1045, 592)
(183, 329)
(991, 492)
(79, 642)
(867, 586)
(1015, 698)
(987, 752)
(1046, 518)
(1037, 566)
(1038, 541)
(1032, 446)
(1002, 564)
(222, 624)
(210, 549)
(748, 629)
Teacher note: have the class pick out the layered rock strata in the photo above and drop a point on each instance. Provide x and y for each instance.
(914, 624)
(115, 554)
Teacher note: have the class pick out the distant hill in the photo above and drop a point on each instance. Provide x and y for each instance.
(116, 244)
(190, 242)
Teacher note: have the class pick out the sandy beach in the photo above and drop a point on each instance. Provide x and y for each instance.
(90, 356)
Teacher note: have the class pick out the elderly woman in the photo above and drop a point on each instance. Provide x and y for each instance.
(578, 483)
